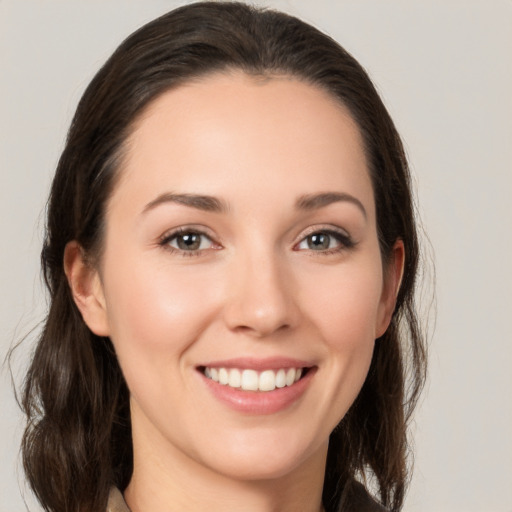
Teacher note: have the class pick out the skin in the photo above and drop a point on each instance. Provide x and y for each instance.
(256, 288)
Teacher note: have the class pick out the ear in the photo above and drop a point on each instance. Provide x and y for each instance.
(86, 289)
(392, 280)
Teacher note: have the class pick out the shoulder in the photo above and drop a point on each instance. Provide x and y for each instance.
(360, 498)
(116, 501)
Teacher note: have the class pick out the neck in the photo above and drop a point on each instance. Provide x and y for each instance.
(165, 479)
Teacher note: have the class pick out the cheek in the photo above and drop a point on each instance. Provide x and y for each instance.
(156, 313)
(344, 310)
(155, 317)
(345, 304)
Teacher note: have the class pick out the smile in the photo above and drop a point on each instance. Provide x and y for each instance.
(252, 380)
(258, 386)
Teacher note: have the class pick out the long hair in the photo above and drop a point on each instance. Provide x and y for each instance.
(77, 442)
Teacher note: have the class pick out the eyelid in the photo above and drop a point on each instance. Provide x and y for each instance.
(342, 235)
(186, 228)
(323, 228)
(170, 234)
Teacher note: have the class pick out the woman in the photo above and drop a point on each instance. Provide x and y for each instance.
(231, 258)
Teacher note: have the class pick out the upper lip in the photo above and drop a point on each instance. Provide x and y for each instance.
(258, 364)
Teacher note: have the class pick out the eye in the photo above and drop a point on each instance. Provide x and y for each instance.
(325, 241)
(188, 240)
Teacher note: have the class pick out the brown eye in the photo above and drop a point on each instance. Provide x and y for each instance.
(319, 241)
(188, 241)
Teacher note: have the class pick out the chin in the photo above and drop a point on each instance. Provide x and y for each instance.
(269, 460)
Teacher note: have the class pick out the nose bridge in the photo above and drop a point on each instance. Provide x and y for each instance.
(261, 297)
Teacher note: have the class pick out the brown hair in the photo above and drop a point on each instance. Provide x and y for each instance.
(77, 442)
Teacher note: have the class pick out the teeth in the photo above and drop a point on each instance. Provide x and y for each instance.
(281, 379)
(223, 376)
(290, 376)
(235, 379)
(251, 380)
(267, 381)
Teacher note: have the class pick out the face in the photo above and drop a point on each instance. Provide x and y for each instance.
(241, 281)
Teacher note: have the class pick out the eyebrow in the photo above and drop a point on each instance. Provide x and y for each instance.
(200, 202)
(317, 201)
(213, 204)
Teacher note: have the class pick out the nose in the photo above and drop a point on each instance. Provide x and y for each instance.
(261, 297)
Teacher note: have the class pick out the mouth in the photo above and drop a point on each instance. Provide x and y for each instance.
(245, 379)
(258, 386)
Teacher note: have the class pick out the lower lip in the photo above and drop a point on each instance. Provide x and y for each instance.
(260, 402)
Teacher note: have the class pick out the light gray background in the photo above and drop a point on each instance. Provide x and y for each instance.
(444, 70)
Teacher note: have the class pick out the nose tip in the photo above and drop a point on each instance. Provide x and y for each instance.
(261, 301)
(260, 322)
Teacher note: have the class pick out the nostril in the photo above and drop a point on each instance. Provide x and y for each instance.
(260, 302)
(261, 327)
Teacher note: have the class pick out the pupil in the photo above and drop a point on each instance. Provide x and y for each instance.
(189, 242)
(318, 241)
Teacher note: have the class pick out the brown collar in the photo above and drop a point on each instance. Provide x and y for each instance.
(116, 501)
(365, 503)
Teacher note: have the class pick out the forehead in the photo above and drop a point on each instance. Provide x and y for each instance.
(232, 131)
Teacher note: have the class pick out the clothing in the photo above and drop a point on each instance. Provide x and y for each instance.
(363, 501)
(116, 501)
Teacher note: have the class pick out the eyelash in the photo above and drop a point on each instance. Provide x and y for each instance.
(175, 234)
(344, 241)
